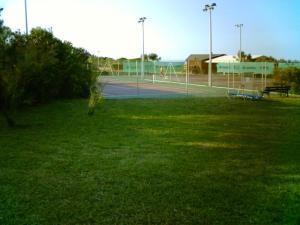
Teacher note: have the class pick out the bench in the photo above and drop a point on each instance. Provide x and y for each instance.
(280, 89)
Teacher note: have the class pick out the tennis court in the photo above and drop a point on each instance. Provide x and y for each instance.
(134, 86)
(161, 79)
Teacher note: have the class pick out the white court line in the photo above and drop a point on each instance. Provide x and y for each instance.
(197, 85)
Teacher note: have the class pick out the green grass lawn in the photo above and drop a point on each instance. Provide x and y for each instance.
(153, 161)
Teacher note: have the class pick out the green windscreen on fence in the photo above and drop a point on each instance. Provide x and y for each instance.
(286, 65)
(154, 67)
(246, 67)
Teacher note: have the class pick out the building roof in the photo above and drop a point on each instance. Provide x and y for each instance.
(202, 57)
(229, 59)
(225, 59)
(256, 56)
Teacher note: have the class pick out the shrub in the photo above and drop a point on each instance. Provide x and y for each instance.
(288, 77)
(38, 68)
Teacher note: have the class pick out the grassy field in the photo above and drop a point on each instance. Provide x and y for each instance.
(153, 161)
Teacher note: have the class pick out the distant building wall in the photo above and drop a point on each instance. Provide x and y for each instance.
(197, 63)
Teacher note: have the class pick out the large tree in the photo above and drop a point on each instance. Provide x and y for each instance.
(38, 68)
(8, 93)
(154, 57)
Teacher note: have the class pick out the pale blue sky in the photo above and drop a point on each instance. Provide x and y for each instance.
(174, 28)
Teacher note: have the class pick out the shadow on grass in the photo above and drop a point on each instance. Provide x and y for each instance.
(169, 161)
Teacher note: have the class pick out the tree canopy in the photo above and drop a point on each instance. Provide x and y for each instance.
(38, 68)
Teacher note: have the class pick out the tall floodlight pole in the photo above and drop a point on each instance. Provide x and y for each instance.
(240, 27)
(142, 20)
(26, 21)
(209, 8)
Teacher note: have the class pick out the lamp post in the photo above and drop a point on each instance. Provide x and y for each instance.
(209, 8)
(240, 27)
(26, 21)
(142, 20)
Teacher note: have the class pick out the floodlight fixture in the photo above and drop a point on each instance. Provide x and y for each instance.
(209, 7)
(142, 20)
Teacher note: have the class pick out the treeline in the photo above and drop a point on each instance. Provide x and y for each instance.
(249, 58)
(38, 68)
(289, 76)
